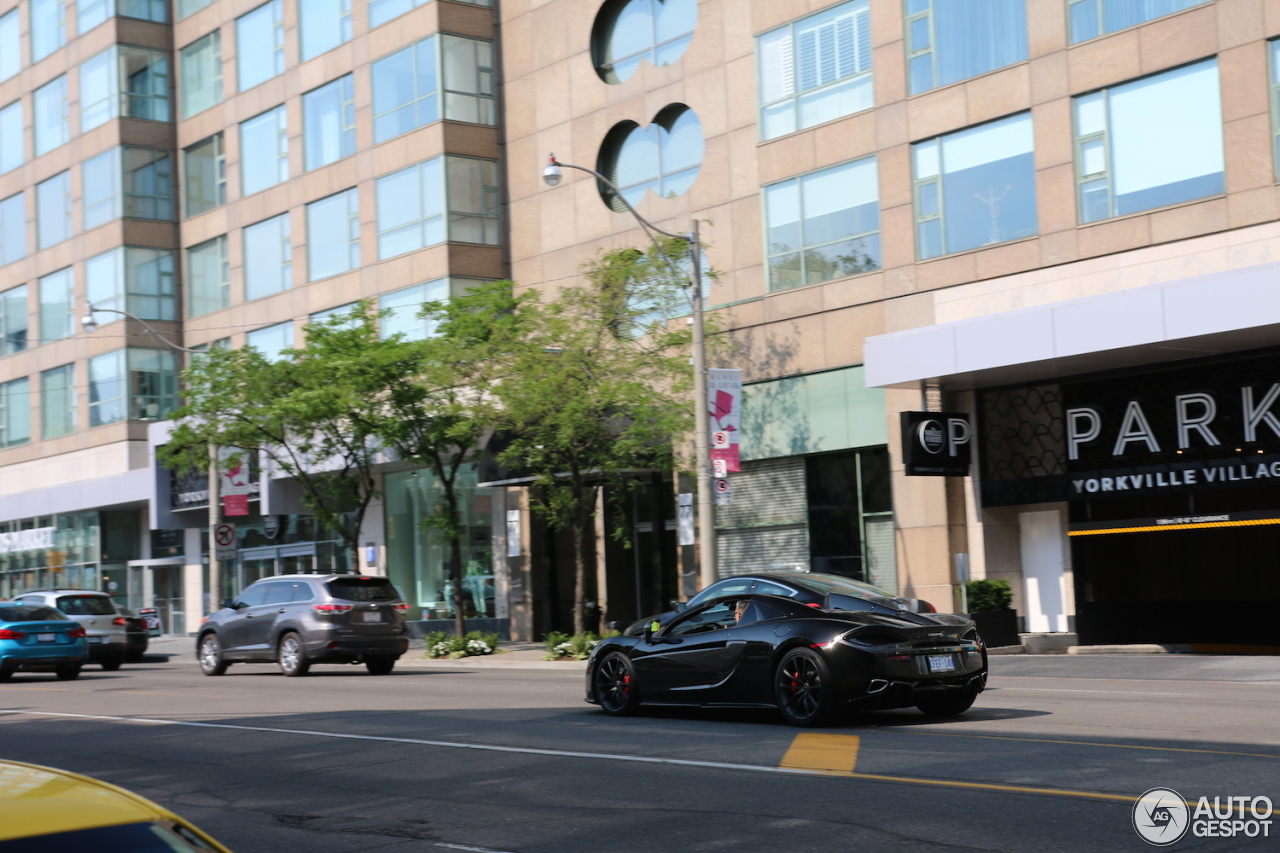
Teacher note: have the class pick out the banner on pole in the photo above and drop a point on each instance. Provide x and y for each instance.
(724, 400)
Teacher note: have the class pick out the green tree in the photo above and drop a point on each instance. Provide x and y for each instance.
(305, 413)
(598, 387)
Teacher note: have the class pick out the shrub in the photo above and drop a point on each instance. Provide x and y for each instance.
(440, 644)
(578, 646)
(987, 596)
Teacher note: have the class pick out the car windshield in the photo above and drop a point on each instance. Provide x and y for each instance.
(28, 613)
(128, 838)
(86, 605)
(363, 589)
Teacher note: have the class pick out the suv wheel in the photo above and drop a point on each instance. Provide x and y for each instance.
(211, 660)
(291, 656)
(112, 664)
(380, 666)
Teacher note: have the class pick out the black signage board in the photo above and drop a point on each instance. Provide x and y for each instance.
(935, 444)
(1203, 424)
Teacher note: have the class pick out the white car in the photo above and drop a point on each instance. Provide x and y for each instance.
(104, 626)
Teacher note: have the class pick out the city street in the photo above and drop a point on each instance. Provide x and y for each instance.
(505, 756)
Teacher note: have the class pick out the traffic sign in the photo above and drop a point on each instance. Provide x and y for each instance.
(719, 468)
(719, 438)
(224, 540)
(724, 495)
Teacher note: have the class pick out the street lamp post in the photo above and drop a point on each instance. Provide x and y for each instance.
(702, 428)
(90, 324)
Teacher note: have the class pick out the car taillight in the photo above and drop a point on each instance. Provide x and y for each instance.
(401, 606)
(120, 620)
(926, 607)
(10, 634)
(76, 632)
(813, 604)
(331, 608)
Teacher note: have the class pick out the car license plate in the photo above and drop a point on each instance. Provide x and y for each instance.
(95, 639)
(942, 663)
(372, 616)
(46, 638)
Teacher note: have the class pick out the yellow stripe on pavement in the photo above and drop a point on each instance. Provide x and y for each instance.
(835, 754)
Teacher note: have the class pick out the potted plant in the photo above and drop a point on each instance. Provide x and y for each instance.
(989, 609)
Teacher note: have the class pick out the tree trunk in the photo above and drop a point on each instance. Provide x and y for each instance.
(579, 575)
(455, 560)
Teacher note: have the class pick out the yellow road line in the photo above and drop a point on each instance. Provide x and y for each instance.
(1081, 743)
(827, 753)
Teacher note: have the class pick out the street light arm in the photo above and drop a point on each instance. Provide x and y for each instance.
(90, 324)
(608, 183)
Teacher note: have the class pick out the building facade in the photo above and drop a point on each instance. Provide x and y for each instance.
(1057, 216)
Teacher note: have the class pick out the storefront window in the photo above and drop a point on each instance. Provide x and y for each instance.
(418, 555)
(49, 551)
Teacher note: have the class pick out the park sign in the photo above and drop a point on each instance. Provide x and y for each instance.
(936, 444)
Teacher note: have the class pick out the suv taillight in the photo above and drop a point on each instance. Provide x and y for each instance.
(331, 608)
(10, 634)
(76, 632)
(120, 620)
(401, 606)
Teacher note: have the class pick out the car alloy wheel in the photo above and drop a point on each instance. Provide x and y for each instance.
(211, 662)
(291, 656)
(803, 689)
(615, 683)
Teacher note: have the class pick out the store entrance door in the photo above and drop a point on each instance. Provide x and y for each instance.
(158, 583)
(277, 560)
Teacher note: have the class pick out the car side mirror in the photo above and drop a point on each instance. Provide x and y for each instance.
(228, 604)
(679, 606)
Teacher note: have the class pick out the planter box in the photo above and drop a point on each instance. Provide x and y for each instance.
(997, 627)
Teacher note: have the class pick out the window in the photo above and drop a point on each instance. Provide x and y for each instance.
(190, 7)
(333, 235)
(13, 229)
(51, 115)
(268, 258)
(132, 279)
(53, 210)
(952, 40)
(48, 28)
(11, 154)
(13, 320)
(264, 151)
(57, 305)
(381, 11)
(260, 44)
(90, 13)
(145, 93)
(10, 44)
(272, 341)
(823, 225)
(15, 412)
(815, 69)
(975, 187)
(405, 306)
(1150, 143)
(324, 24)
(201, 63)
(468, 79)
(350, 321)
(473, 200)
(1092, 18)
(405, 90)
(411, 205)
(58, 401)
(128, 181)
(140, 384)
(98, 90)
(208, 277)
(204, 168)
(1273, 51)
(329, 123)
(410, 208)
(629, 31)
(664, 157)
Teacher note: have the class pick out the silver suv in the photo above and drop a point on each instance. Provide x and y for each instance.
(104, 626)
(300, 620)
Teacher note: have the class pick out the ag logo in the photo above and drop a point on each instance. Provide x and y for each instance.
(931, 436)
(1160, 817)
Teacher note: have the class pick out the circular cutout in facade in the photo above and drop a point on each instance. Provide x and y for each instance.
(664, 157)
(627, 32)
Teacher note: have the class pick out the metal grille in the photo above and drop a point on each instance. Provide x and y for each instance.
(766, 525)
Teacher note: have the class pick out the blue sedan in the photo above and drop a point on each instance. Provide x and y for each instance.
(34, 637)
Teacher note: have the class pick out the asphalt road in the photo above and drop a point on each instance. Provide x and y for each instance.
(445, 756)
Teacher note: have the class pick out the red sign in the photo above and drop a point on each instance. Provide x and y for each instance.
(732, 456)
(235, 505)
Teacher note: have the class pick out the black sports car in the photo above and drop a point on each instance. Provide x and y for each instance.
(805, 587)
(812, 662)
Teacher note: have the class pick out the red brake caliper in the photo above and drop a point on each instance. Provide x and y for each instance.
(626, 684)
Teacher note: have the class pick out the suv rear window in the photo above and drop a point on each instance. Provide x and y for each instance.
(86, 605)
(29, 613)
(363, 589)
